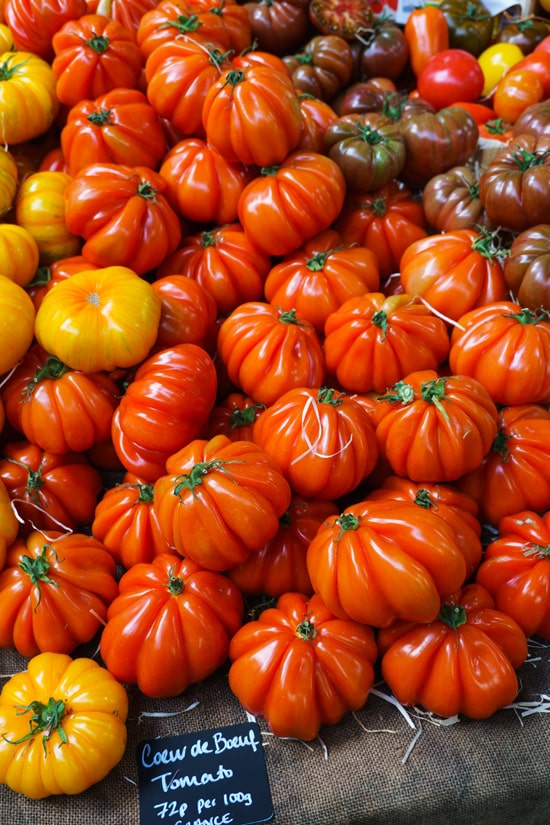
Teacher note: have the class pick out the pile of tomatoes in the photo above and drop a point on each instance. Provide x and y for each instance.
(274, 359)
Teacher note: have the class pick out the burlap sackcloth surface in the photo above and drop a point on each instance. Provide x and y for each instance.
(373, 767)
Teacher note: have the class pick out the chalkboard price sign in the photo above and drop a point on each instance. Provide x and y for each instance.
(212, 777)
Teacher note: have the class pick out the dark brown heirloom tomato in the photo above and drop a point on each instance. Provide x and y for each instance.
(368, 148)
(359, 97)
(535, 120)
(342, 17)
(470, 25)
(437, 141)
(323, 67)
(451, 200)
(525, 33)
(515, 187)
(384, 52)
(527, 267)
(278, 26)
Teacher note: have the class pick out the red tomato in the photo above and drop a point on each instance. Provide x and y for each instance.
(516, 570)
(170, 626)
(464, 662)
(54, 592)
(284, 666)
(450, 75)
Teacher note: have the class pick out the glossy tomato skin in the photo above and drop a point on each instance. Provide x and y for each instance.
(457, 509)
(117, 127)
(126, 524)
(451, 200)
(449, 76)
(436, 141)
(514, 475)
(203, 186)
(220, 500)
(515, 92)
(383, 50)
(33, 24)
(225, 261)
(283, 666)
(59, 409)
(170, 625)
(465, 662)
(94, 54)
(320, 276)
(470, 28)
(368, 148)
(436, 428)
(251, 115)
(323, 67)
(515, 187)
(54, 592)
(278, 28)
(289, 204)
(372, 341)
(385, 221)
(50, 491)
(77, 702)
(322, 440)
(17, 332)
(165, 405)
(515, 570)
(483, 344)
(367, 563)
(123, 215)
(29, 88)
(527, 267)
(267, 352)
(188, 313)
(454, 271)
(114, 319)
(280, 566)
(426, 31)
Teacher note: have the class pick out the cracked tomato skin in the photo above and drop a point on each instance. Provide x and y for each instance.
(344, 19)
(464, 662)
(300, 667)
(170, 625)
(76, 712)
(220, 500)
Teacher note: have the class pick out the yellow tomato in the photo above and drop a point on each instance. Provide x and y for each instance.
(9, 174)
(495, 62)
(99, 319)
(6, 38)
(19, 254)
(17, 315)
(40, 208)
(28, 100)
(63, 724)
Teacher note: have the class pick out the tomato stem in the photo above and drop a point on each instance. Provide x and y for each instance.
(530, 316)
(306, 630)
(328, 395)
(98, 43)
(244, 416)
(183, 23)
(45, 719)
(542, 551)
(346, 522)
(401, 393)
(424, 499)
(37, 569)
(434, 393)
(453, 615)
(175, 585)
(380, 319)
(51, 370)
(100, 117)
(201, 469)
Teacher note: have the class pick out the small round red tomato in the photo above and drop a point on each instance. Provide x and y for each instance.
(450, 75)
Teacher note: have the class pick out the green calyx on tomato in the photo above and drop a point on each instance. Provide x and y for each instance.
(184, 23)
(500, 445)
(245, 416)
(306, 630)
(37, 568)
(529, 316)
(175, 585)
(45, 719)
(542, 551)
(423, 499)
(527, 160)
(98, 43)
(434, 393)
(380, 319)
(489, 244)
(201, 469)
(328, 395)
(401, 392)
(100, 118)
(317, 262)
(453, 615)
(51, 369)
(346, 522)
